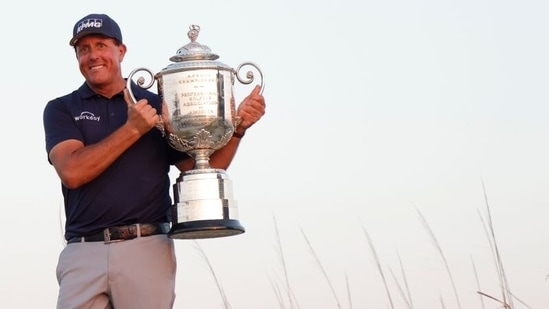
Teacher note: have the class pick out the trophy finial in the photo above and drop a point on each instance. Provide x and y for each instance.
(193, 51)
(193, 32)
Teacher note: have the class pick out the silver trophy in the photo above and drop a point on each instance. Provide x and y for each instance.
(199, 117)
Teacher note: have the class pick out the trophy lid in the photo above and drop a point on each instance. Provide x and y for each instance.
(193, 50)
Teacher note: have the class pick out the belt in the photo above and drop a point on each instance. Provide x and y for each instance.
(124, 232)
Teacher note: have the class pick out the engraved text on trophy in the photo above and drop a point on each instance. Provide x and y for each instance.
(200, 118)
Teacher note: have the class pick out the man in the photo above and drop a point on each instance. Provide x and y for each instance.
(113, 165)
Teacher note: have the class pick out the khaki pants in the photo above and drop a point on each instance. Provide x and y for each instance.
(131, 274)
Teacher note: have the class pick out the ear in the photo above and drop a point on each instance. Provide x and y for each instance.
(122, 49)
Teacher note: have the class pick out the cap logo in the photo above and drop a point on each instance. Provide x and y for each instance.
(89, 23)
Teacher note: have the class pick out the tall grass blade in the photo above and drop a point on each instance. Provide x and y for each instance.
(62, 225)
(489, 227)
(520, 301)
(321, 269)
(404, 277)
(443, 257)
(400, 290)
(278, 294)
(348, 291)
(373, 249)
(442, 303)
(505, 305)
(478, 282)
(284, 267)
(203, 254)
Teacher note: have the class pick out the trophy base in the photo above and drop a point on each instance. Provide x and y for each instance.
(206, 229)
(204, 206)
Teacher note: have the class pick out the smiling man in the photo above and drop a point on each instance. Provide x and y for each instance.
(113, 164)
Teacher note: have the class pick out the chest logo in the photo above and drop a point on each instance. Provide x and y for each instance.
(85, 115)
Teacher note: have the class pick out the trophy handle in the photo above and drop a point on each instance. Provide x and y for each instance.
(250, 75)
(140, 81)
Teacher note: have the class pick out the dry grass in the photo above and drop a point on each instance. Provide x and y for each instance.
(287, 299)
(442, 256)
(224, 299)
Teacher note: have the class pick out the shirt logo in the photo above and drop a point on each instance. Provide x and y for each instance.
(85, 115)
(89, 23)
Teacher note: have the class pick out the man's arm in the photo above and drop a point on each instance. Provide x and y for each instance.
(77, 164)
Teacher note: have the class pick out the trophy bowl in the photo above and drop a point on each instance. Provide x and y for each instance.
(198, 118)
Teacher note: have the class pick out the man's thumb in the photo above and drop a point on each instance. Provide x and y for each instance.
(127, 97)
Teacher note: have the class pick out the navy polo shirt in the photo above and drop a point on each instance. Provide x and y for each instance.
(135, 188)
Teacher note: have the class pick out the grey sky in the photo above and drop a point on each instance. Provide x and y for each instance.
(375, 109)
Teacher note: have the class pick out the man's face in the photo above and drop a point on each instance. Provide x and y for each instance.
(100, 58)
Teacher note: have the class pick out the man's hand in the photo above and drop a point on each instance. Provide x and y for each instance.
(251, 109)
(141, 115)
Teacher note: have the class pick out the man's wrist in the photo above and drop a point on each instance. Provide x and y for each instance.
(239, 135)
